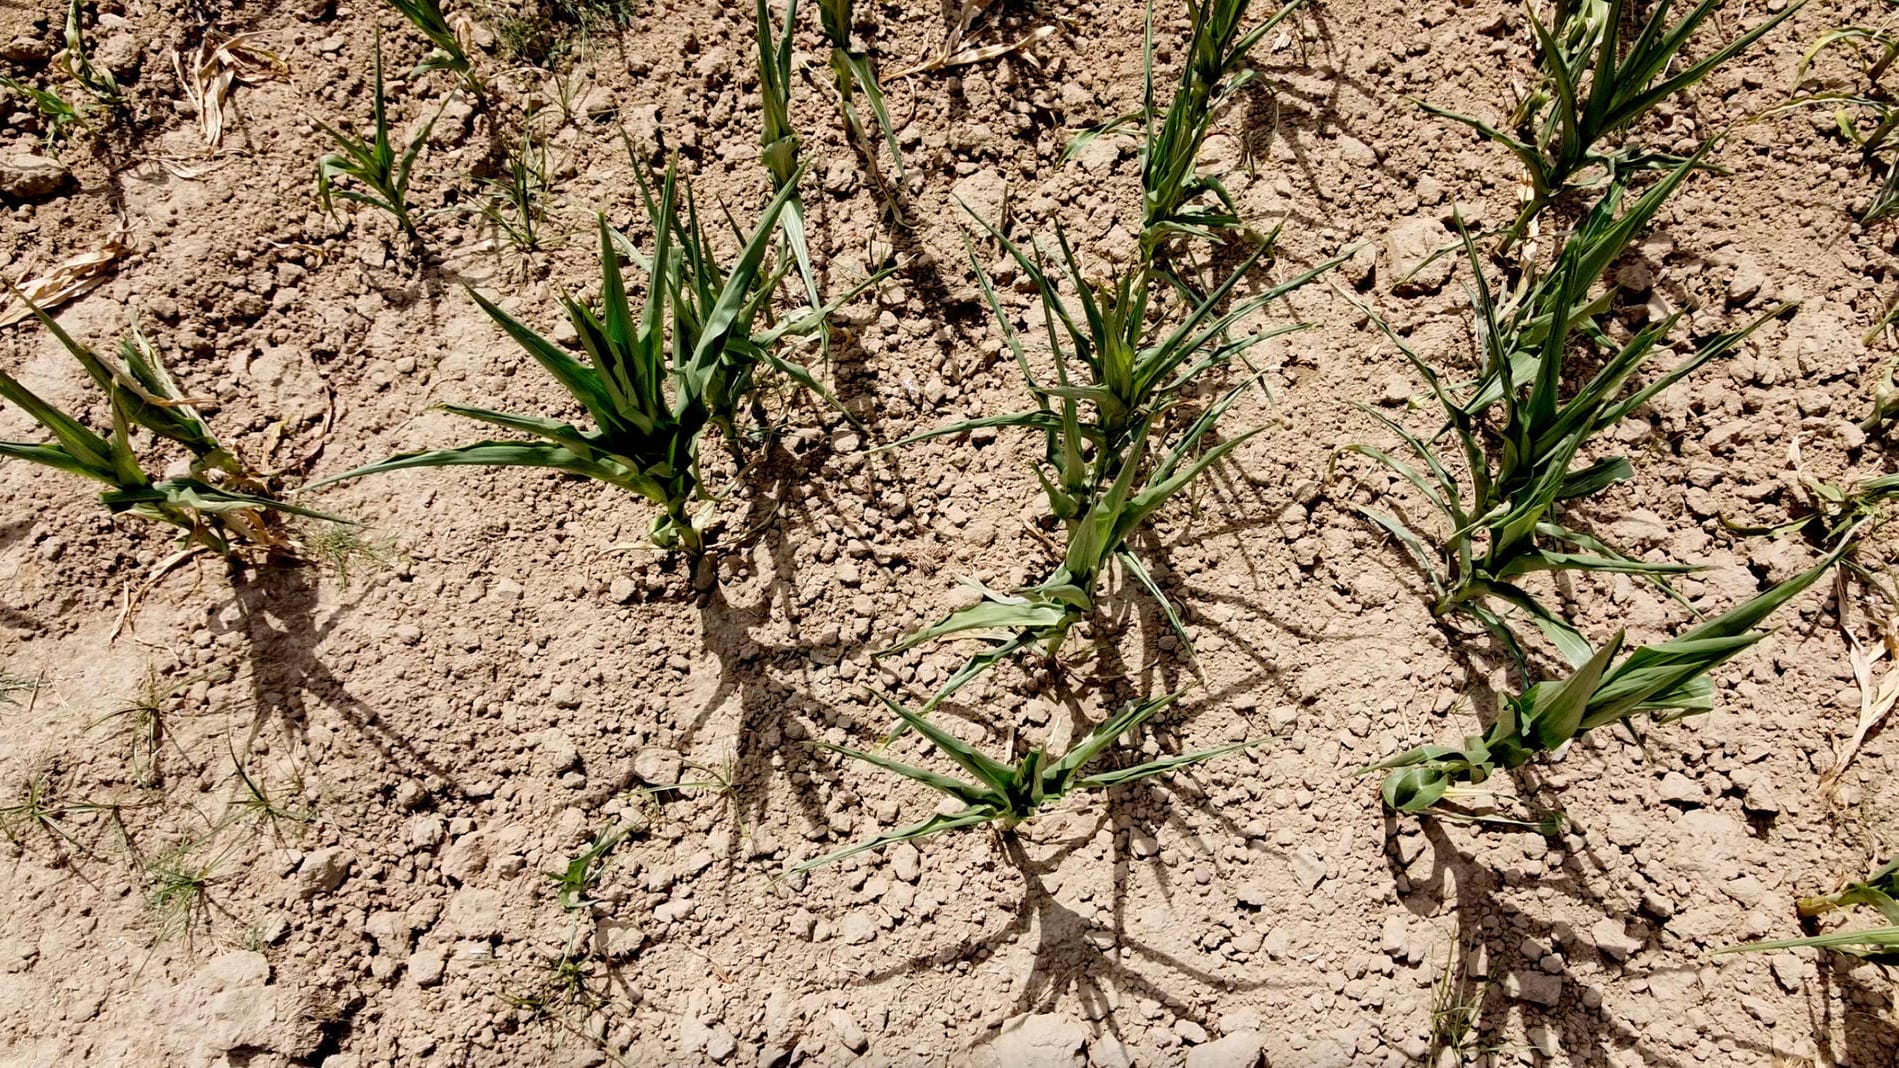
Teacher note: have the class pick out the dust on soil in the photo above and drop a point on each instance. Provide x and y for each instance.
(438, 734)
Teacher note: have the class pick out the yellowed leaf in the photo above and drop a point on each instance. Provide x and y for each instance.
(73, 278)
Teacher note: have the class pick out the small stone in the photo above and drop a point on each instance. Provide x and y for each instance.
(857, 929)
(426, 967)
(1242, 1049)
(1678, 789)
(25, 176)
(1407, 246)
(658, 767)
(1747, 282)
(720, 1045)
(1392, 938)
(557, 747)
(1044, 1038)
(1613, 940)
(1310, 869)
(905, 862)
(847, 1031)
(622, 589)
(1535, 987)
(322, 872)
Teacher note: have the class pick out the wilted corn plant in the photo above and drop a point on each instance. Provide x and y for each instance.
(1104, 469)
(852, 71)
(373, 163)
(689, 357)
(1006, 794)
(77, 58)
(1524, 467)
(1595, 84)
(1880, 891)
(1668, 680)
(220, 503)
(446, 51)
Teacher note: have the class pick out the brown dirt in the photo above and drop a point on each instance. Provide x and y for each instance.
(441, 732)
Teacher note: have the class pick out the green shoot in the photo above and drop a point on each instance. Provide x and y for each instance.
(646, 436)
(345, 549)
(1880, 891)
(145, 724)
(576, 881)
(1456, 1008)
(1668, 680)
(1177, 200)
(511, 203)
(1865, 111)
(779, 142)
(256, 800)
(1104, 472)
(446, 50)
(180, 897)
(42, 808)
(97, 83)
(852, 71)
(59, 116)
(1524, 469)
(372, 164)
(13, 687)
(1006, 794)
(1595, 86)
(220, 503)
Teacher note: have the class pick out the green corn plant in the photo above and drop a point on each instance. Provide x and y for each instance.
(1525, 467)
(59, 116)
(372, 164)
(98, 83)
(1103, 472)
(1880, 891)
(778, 141)
(446, 51)
(220, 504)
(1178, 200)
(1595, 84)
(851, 72)
(650, 390)
(1006, 794)
(1668, 680)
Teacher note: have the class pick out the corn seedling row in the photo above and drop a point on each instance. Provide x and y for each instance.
(1527, 466)
(852, 72)
(1880, 892)
(1865, 111)
(446, 51)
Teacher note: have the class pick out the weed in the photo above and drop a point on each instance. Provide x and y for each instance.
(511, 203)
(256, 800)
(1669, 680)
(1007, 794)
(1456, 1005)
(644, 440)
(145, 724)
(97, 82)
(179, 899)
(373, 163)
(1523, 469)
(220, 503)
(1864, 110)
(345, 549)
(576, 881)
(43, 808)
(1595, 85)
(13, 687)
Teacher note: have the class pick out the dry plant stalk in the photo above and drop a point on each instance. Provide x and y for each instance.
(954, 54)
(217, 68)
(72, 278)
(1876, 698)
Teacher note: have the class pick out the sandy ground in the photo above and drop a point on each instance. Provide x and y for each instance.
(437, 733)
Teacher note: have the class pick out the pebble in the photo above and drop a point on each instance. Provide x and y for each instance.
(847, 1031)
(658, 767)
(426, 967)
(322, 872)
(25, 176)
(1310, 869)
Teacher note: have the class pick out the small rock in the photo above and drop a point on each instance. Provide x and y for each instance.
(1678, 789)
(1310, 869)
(426, 966)
(1613, 940)
(25, 176)
(1535, 987)
(322, 872)
(558, 748)
(1039, 1040)
(857, 929)
(985, 194)
(1748, 280)
(1407, 246)
(1392, 938)
(905, 862)
(1242, 1049)
(847, 1031)
(658, 767)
